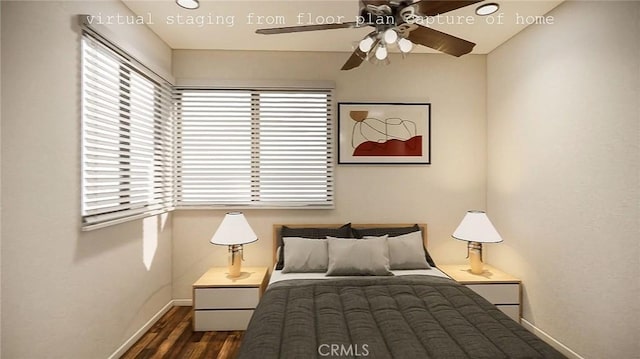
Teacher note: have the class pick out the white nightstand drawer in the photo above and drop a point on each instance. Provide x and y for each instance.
(498, 293)
(221, 320)
(513, 311)
(226, 298)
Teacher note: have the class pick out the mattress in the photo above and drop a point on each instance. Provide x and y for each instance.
(277, 275)
(404, 316)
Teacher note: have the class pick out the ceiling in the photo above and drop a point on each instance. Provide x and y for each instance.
(231, 24)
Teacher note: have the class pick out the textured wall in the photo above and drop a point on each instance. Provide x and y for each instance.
(564, 173)
(66, 294)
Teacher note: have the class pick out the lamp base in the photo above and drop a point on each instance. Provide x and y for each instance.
(235, 260)
(475, 257)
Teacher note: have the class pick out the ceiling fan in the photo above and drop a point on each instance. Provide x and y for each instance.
(399, 22)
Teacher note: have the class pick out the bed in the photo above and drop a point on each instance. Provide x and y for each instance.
(400, 312)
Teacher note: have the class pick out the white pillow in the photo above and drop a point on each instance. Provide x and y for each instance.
(348, 256)
(407, 252)
(305, 255)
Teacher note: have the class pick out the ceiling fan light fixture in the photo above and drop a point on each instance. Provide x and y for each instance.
(365, 44)
(405, 45)
(381, 52)
(188, 4)
(390, 36)
(395, 28)
(487, 9)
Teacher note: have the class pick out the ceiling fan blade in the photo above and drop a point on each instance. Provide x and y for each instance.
(357, 57)
(435, 7)
(290, 29)
(354, 60)
(375, 2)
(440, 41)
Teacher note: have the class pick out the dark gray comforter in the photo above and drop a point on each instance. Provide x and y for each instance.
(384, 317)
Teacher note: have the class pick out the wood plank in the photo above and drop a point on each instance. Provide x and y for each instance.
(173, 337)
(231, 346)
(250, 277)
(461, 273)
(164, 330)
(136, 350)
(175, 342)
(214, 347)
(199, 347)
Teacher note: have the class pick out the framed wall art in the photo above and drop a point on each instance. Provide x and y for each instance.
(384, 133)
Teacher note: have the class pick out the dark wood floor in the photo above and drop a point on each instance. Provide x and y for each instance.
(173, 337)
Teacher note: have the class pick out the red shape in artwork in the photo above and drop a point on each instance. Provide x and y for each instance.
(410, 147)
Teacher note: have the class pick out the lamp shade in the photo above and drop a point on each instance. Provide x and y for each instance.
(476, 227)
(234, 230)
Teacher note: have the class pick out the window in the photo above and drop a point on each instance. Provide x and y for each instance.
(254, 148)
(127, 137)
(148, 147)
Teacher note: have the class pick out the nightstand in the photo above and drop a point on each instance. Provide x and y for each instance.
(499, 288)
(221, 303)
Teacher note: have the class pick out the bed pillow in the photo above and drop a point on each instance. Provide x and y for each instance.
(313, 233)
(349, 256)
(392, 232)
(407, 252)
(305, 255)
(381, 231)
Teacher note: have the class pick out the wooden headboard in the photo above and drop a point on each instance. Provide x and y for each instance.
(277, 228)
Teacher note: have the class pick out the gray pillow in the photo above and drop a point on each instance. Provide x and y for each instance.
(392, 232)
(305, 255)
(308, 232)
(356, 257)
(407, 252)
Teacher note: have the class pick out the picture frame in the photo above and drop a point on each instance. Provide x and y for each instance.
(384, 133)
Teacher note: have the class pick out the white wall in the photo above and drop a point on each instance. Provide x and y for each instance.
(65, 294)
(438, 194)
(564, 173)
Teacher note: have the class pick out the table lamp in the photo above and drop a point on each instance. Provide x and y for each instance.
(234, 231)
(476, 228)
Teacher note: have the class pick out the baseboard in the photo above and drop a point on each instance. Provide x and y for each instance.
(137, 335)
(550, 340)
(182, 302)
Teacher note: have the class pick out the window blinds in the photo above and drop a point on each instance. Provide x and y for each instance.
(254, 148)
(127, 138)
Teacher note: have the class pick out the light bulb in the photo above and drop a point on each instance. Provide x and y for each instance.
(487, 9)
(405, 45)
(365, 44)
(188, 4)
(390, 36)
(381, 52)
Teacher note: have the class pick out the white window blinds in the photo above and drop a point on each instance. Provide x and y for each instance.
(127, 138)
(254, 148)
